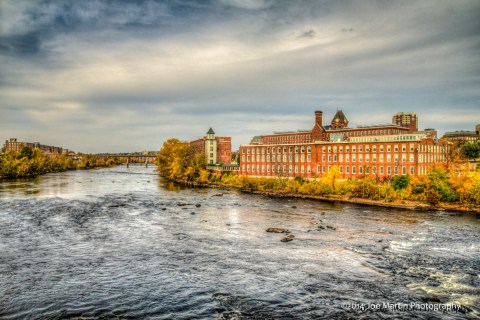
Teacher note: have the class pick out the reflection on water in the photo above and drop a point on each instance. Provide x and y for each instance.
(122, 243)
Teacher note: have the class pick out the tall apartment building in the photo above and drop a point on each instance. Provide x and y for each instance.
(217, 150)
(14, 145)
(406, 119)
(381, 150)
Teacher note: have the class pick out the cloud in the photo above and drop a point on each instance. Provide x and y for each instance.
(125, 76)
(248, 4)
(308, 34)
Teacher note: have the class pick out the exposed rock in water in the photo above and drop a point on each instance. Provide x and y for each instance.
(181, 204)
(198, 205)
(288, 238)
(330, 227)
(218, 195)
(294, 207)
(277, 230)
(192, 212)
(164, 209)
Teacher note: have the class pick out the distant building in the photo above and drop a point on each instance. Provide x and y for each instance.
(406, 119)
(379, 150)
(463, 136)
(217, 150)
(14, 145)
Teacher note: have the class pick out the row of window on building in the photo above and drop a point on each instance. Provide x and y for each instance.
(422, 158)
(361, 148)
(322, 169)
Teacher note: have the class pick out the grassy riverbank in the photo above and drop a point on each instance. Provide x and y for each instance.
(31, 162)
(452, 188)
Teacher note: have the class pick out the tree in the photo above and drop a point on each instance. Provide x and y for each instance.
(26, 152)
(471, 150)
(400, 182)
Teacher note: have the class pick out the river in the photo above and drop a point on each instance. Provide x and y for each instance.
(123, 243)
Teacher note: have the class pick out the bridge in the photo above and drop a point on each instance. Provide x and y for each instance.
(130, 157)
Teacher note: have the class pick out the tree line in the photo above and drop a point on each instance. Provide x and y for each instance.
(31, 161)
(454, 183)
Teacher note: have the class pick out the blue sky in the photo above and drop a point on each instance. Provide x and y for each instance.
(118, 76)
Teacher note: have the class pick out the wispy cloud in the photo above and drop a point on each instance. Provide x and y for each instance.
(136, 73)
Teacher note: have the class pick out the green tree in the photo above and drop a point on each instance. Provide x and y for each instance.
(471, 150)
(26, 152)
(400, 182)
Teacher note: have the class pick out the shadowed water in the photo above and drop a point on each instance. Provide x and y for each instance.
(122, 243)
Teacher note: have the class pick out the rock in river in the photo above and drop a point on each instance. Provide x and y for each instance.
(288, 238)
(277, 230)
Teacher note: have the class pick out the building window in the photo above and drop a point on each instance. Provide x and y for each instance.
(340, 169)
(354, 170)
(318, 169)
(381, 170)
(389, 171)
(323, 169)
(404, 170)
(412, 158)
(412, 170)
(347, 169)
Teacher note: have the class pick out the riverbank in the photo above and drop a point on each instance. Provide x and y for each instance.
(30, 162)
(397, 204)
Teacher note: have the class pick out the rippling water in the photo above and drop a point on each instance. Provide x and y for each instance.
(122, 243)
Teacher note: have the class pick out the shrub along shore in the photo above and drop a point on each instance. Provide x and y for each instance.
(453, 188)
(31, 162)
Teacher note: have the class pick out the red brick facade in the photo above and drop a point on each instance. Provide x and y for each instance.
(378, 150)
(224, 149)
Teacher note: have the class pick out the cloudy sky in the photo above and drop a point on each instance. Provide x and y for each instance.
(120, 76)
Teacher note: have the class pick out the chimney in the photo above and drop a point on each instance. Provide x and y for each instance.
(318, 118)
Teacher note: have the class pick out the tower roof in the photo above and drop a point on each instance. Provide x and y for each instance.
(210, 131)
(340, 116)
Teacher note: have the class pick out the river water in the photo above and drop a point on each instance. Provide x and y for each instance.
(122, 243)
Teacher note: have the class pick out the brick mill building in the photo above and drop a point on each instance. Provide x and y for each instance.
(217, 150)
(382, 150)
(14, 145)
